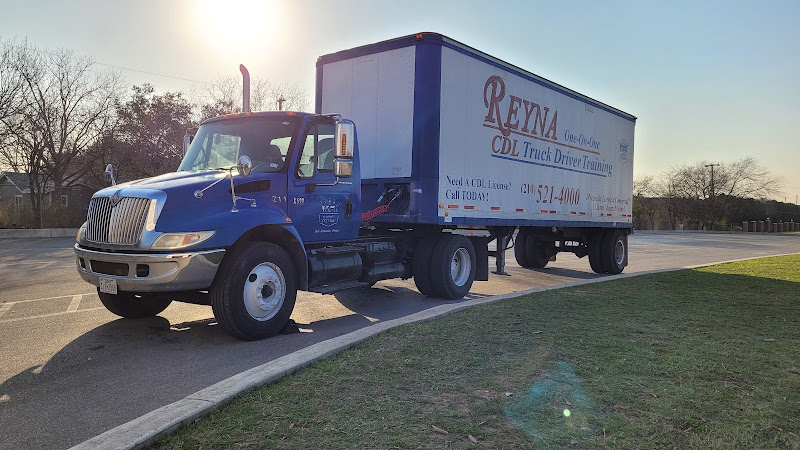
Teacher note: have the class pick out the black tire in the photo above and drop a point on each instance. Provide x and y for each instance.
(422, 264)
(520, 252)
(134, 306)
(536, 256)
(615, 251)
(596, 253)
(255, 291)
(453, 266)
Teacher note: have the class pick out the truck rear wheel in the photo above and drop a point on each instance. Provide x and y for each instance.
(520, 250)
(255, 291)
(596, 253)
(422, 264)
(536, 256)
(132, 306)
(453, 266)
(615, 251)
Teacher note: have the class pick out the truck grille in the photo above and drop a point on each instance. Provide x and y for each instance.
(120, 224)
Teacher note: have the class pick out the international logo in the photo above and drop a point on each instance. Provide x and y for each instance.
(623, 150)
(115, 198)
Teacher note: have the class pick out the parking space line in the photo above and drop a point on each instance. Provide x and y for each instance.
(41, 316)
(5, 307)
(73, 305)
(50, 298)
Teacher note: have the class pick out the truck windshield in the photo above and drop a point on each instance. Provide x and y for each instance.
(218, 145)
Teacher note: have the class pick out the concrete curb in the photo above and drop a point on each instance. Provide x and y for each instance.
(148, 428)
(8, 233)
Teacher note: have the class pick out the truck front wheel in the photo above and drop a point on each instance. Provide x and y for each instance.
(255, 292)
(453, 266)
(132, 306)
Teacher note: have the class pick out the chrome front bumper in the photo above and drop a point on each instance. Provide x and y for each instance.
(150, 272)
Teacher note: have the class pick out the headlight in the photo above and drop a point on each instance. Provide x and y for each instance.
(81, 232)
(172, 241)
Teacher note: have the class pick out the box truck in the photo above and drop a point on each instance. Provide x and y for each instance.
(420, 153)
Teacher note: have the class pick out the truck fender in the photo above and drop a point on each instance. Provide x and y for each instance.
(287, 237)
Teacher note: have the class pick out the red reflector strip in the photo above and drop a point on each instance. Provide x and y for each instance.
(553, 212)
(452, 206)
(469, 207)
(520, 210)
(583, 213)
(495, 208)
(544, 211)
(573, 212)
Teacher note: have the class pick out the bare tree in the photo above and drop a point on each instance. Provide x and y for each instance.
(64, 107)
(690, 191)
(10, 80)
(224, 96)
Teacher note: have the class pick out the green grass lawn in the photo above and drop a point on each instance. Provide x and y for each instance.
(706, 358)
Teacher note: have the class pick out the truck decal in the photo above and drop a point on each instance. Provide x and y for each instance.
(330, 212)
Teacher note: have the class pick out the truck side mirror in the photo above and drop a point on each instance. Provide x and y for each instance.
(343, 168)
(244, 166)
(109, 175)
(345, 138)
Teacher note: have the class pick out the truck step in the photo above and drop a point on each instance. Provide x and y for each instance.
(331, 288)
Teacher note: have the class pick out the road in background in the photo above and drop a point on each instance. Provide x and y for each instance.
(72, 370)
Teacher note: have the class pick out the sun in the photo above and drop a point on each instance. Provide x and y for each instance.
(237, 30)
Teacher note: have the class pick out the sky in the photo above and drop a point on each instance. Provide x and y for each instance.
(712, 81)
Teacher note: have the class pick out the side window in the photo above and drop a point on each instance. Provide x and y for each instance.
(317, 152)
(327, 134)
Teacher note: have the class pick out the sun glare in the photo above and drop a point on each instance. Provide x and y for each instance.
(237, 30)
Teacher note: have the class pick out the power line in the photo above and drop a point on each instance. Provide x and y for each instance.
(152, 73)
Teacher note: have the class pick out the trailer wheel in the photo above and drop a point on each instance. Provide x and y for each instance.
(520, 251)
(596, 253)
(536, 256)
(132, 306)
(254, 293)
(453, 266)
(615, 251)
(421, 265)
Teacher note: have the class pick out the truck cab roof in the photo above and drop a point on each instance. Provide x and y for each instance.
(294, 114)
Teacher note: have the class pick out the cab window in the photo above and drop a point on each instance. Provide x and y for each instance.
(317, 152)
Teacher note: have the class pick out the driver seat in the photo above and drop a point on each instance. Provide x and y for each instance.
(270, 155)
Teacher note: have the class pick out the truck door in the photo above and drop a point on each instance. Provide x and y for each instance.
(322, 211)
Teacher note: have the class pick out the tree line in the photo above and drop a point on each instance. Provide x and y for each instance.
(709, 196)
(63, 118)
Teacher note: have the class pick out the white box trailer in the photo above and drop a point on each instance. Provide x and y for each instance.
(479, 142)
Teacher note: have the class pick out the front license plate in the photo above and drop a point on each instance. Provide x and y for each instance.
(108, 285)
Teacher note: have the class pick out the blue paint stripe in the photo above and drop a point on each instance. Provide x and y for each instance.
(548, 165)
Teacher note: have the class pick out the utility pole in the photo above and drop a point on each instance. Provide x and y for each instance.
(711, 227)
(280, 103)
(712, 178)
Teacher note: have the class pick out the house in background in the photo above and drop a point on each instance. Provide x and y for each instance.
(61, 207)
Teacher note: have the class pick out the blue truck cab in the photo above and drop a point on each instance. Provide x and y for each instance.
(286, 180)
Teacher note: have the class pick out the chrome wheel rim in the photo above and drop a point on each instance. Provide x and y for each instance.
(619, 252)
(264, 291)
(460, 267)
